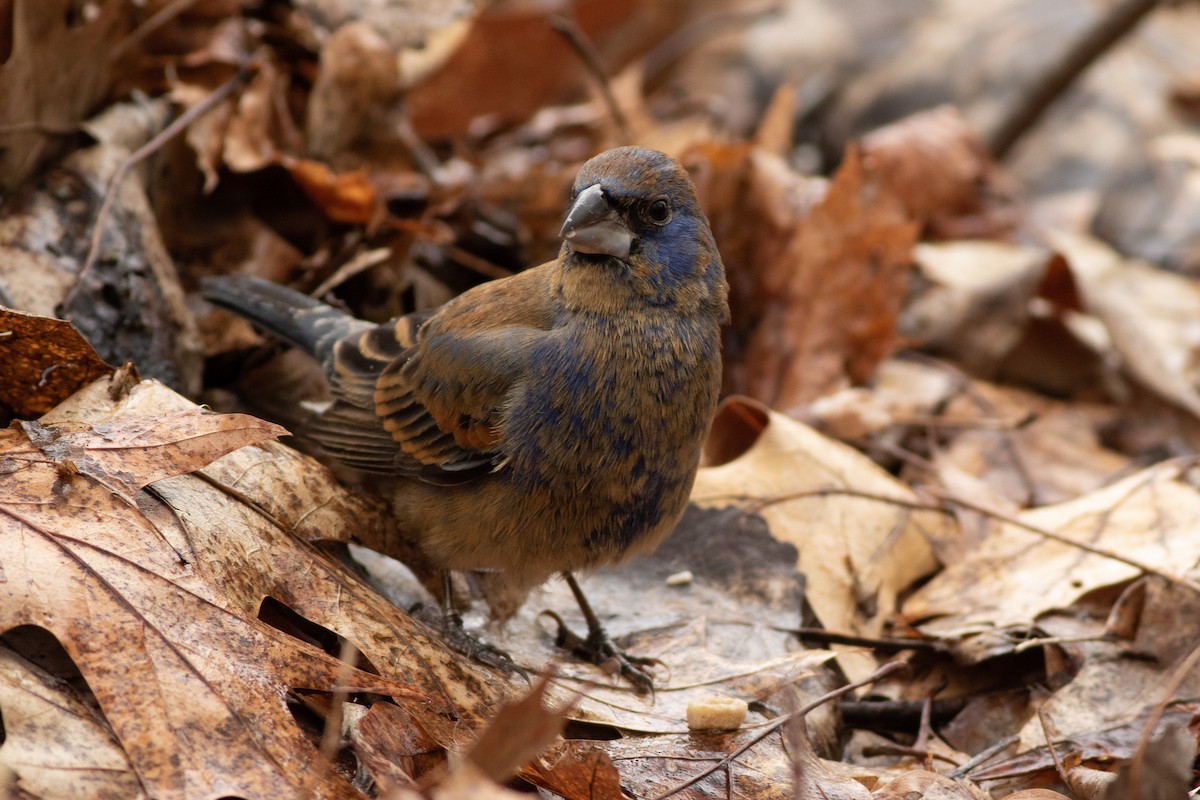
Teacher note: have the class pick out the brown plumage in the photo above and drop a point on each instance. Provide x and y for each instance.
(551, 421)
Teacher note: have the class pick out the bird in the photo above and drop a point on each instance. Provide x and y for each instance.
(547, 422)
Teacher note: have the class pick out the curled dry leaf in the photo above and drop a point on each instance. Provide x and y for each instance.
(355, 101)
(938, 167)
(1160, 771)
(519, 732)
(1111, 679)
(1096, 747)
(348, 198)
(928, 785)
(977, 304)
(816, 278)
(1149, 314)
(46, 95)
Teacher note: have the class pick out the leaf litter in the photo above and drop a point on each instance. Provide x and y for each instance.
(979, 462)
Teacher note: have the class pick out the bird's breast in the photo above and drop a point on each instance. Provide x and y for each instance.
(612, 416)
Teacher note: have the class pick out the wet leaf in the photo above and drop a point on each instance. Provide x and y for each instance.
(45, 361)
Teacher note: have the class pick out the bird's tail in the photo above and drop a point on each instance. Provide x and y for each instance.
(304, 322)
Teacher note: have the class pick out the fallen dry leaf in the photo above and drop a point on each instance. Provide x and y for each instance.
(129, 305)
(978, 302)
(816, 277)
(1149, 314)
(1017, 574)
(1099, 748)
(1026, 448)
(498, 753)
(488, 76)
(134, 604)
(854, 526)
(928, 785)
(45, 361)
(45, 95)
(54, 744)
(343, 198)
(939, 168)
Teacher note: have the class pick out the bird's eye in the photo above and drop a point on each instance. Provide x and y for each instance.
(659, 211)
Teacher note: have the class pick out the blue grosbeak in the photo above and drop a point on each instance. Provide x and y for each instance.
(547, 422)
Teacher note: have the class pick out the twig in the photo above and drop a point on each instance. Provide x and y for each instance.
(423, 156)
(565, 24)
(156, 21)
(915, 752)
(1048, 735)
(1028, 109)
(1007, 440)
(842, 491)
(697, 32)
(878, 644)
(218, 96)
(43, 128)
(360, 263)
(982, 756)
(780, 721)
(898, 715)
(1149, 569)
(923, 727)
(331, 738)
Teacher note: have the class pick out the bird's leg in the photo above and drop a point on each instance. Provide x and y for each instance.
(471, 646)
(598, 648)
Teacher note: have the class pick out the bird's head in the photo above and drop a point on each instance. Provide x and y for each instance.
(635, 228)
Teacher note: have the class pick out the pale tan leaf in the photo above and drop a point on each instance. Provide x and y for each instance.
(1017, 575)
(855, 527)
(53, 743)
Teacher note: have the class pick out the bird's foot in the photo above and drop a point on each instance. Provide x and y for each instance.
(599, 649)
(450, 624)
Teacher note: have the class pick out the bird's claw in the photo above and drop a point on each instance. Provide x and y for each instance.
(450, 624)
(599, 649)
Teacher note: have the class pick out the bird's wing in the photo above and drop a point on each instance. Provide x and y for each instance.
(423, 397)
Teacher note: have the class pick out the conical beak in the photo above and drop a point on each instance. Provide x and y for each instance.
(594, 226)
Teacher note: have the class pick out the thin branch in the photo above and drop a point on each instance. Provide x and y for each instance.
(156, 21)
(43, 128)
(780, 721)
(360, 263)
(878, 644)
(984, 755)
(565, 25)
(915, 752)
(1048, 734)
(1028, 109)
(331, 738)
(1150, 569)
(223, 92)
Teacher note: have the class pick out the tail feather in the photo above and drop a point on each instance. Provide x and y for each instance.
(304, 322)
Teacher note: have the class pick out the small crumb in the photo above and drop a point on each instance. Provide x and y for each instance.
(716, 714)
(680, 578)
